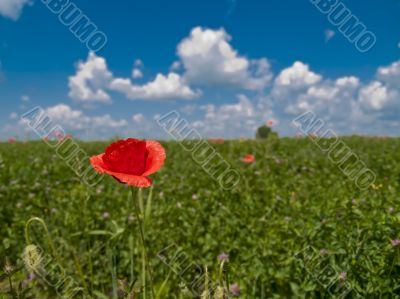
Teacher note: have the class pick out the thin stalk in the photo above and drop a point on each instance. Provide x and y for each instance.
(206, 288)
(144, 247)
(11, 286)
(131, 253)
(49, 239)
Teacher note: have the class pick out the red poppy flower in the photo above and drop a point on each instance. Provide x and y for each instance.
(12, 140)
(270, 123)
(130, 161)
(217, 140)
(248, 159)
(59, 134)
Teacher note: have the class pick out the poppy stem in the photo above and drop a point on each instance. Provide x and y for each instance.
(146, 264)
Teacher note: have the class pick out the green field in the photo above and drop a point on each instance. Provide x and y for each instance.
(294, 226)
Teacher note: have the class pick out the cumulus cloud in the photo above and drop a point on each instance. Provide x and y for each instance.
(297, 76)
(163, 87)
(25, 98)
(346, 103)
(209, 59)
(138, 63)
(12, 8)
(381, 96)
(76, 120)
(206, 58)
(137, 73)
(89, 83)
(227, 120)
(138, 118)
(13, 116)
(93, 82)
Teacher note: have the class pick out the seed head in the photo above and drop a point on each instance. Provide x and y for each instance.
(8, 268)
(220, 293)
(32, 258)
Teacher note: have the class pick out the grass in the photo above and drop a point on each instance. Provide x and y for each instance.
(292, 227)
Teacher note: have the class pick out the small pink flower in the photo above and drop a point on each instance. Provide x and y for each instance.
(235, 290)
(343, 276)
(396, 242)
(223, 257)
(323, 252)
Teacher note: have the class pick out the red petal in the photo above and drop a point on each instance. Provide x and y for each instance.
(97, 163)
(130, 179)
(126, 156)
(156, 157)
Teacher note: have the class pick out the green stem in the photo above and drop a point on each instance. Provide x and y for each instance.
(145, 259)
(49, 239)
(221, 274)
(393, 262)
(206, 288)
(11, 286)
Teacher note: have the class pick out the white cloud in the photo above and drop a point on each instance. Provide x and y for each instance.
(13, 116)
(329, 34)
(298, 75)
(92, 78)
(93, 81)
(348, 82)
(171, 87)
(206, 57)
(106, 121)
(75, 120)
(228, 120)
(138, 63)
(176, 65)
(12, 8)
(381, 96)
(209, 59)
(25, 98)
(374, 95)
(138, 118)
(136, 73)
(346, 103)
(390, 74)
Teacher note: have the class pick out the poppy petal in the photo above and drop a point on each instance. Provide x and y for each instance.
(130, 179)
(97, 163)
(156, 157)
(126, 156)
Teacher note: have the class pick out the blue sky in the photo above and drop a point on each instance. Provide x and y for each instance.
(227, 66)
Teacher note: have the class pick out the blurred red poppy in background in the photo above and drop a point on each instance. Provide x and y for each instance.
(248, 159)
(130, 161)
(12, 140)
(217, 140)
